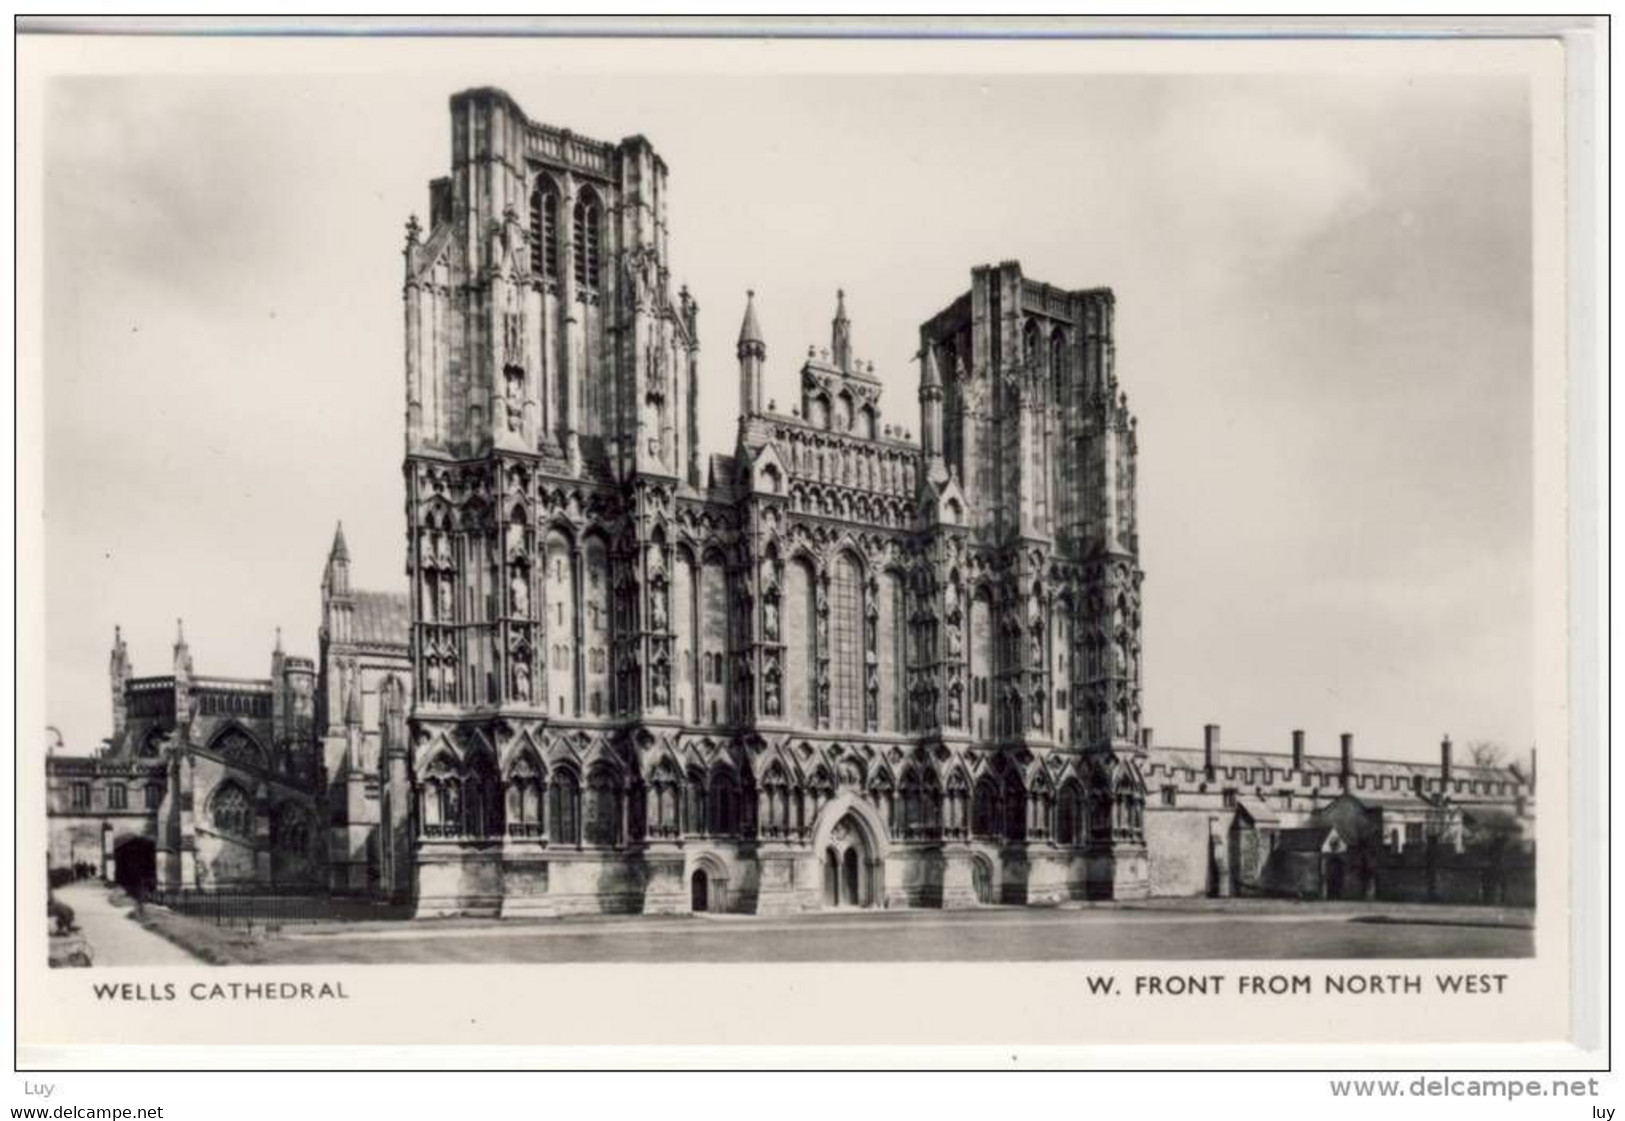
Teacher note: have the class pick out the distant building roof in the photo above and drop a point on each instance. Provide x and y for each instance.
(1311, 839)
(1259, 811)
(382, 619)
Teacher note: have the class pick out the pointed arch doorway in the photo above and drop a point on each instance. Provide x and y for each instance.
(849, 864)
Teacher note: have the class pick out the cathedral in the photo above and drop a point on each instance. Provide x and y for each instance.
(835, 668)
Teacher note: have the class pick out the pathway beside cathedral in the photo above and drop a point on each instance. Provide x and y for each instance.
(115, 938)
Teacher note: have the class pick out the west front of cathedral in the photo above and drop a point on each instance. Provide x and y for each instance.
(835, 668)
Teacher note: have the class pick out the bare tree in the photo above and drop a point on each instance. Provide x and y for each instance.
(1486, 753)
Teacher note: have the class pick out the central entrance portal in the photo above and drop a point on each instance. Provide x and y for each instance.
(848, 867)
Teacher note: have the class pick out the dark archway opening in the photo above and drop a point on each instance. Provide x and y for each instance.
(135, 865)
(832, 887)
(849, 880)
(700, 892)
(1334, 878)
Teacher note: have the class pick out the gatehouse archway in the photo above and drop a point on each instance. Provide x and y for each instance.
(135, 864)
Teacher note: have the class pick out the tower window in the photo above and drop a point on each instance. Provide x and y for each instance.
(81, 795)
(118, 797)
(588, 219)
(544, 229)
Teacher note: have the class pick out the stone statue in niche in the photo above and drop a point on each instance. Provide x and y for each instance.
(515, 541)
(956, 642)
(954, 711)
(513, 397)
(426, 549)
(443, 552)
(657, 607)
(770, 619)
(513, 339)
(519, 593)
(871, 632)
(770, 694)
(521, 681)
(444, 606)
(659, 692)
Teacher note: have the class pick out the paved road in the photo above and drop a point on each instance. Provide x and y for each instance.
(979, 935)
(114, 937)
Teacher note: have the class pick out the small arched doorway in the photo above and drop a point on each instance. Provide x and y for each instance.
(700, 892)
(832, 879)
(981, 878)
(1334, 878)
(849, 880)
(135, 865)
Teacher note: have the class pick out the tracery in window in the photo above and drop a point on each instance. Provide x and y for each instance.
(231, 811)
(588, 223)
(544, 229)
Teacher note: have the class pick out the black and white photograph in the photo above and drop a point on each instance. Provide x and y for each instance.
(1007, 506)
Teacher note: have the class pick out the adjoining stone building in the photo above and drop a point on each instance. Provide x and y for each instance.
(836, 667)
(1241, 822)
(243, 784)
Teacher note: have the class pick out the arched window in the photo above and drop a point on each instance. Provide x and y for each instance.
(1029, 342)
(544, 229)
(154, 795)
(564, 800)
(724, 808)
(986, 811)
(1070, 814)
(291, 830)
(231, 811)
(846, 625)
(236, 746)
(602, 817)
(1015, 809)
(588, 223)
(694, 797)
(1057, 360)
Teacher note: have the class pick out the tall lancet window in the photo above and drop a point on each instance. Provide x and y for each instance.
(588, 229)
(544, 228)
(1029, 343)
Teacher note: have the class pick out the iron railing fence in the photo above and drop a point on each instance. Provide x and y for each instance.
(270, 909)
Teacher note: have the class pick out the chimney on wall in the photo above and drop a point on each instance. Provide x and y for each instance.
(1297, 749)
(1444, 758)
(1347, 770)
(1210, 749)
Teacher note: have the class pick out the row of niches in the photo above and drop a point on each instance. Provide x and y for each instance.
(605, 807)
(818, 458)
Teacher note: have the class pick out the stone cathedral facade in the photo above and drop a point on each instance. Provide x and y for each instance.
(834, 668)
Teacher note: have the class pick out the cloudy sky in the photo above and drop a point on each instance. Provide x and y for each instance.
(1324, 326)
